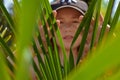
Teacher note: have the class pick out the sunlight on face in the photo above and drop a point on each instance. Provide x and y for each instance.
(69, 22)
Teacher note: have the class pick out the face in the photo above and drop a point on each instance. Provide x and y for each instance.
(69, 23)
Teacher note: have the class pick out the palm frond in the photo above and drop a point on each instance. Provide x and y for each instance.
(8, 17)
(34, 58)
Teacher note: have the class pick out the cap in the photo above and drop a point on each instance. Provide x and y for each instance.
(79, 5)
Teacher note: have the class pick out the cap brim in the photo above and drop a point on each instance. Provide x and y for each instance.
(70, 6)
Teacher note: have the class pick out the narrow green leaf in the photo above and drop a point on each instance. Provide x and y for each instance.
(16, 12)
(3, 70)
(48, 69)
(40, 60)
(37, 53)
(25, 30)
(23, 69)
(103, 55)
(43, 72)
(50, 47)
(87, 26)
(52, 65)
(58, 34)
(57, 60)
(106, 19)
(7, 49)
(16, 5)
(27, 21)
(51, 21)
(37, 70)
(8, 17)
(115, 18)
(11, 65)
(95, 27)
(85, 23)
(49, 9)
(64, 52)
(71, 60)
(3, 32)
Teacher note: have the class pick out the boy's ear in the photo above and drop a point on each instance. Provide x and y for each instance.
(58, 23)
(54, 13)
(81, 17)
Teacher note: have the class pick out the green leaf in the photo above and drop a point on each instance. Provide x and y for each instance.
(115, 18)
(95, 27)
(106, 19)
(23, 66)
(7, 49)
(98, 63)
(8, 17)
(3, 70)
(85, 23)
(57, 62)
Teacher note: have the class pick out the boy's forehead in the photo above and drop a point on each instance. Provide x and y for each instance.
(68, 13)
(69, 10)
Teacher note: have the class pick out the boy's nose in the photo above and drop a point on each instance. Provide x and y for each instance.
(69, 25)
(68, 28)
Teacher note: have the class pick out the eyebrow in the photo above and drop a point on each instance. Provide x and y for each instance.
(75, 17)
(60, 18)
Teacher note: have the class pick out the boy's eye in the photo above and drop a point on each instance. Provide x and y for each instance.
(75, 21)
(61, 22)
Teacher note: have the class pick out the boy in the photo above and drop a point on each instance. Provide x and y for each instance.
(69, 14)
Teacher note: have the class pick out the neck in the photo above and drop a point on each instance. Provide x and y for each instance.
(74, 51)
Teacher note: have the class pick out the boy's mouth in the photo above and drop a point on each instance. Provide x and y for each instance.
(68, 37)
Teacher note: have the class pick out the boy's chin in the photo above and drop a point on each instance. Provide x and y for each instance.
(67, 46)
